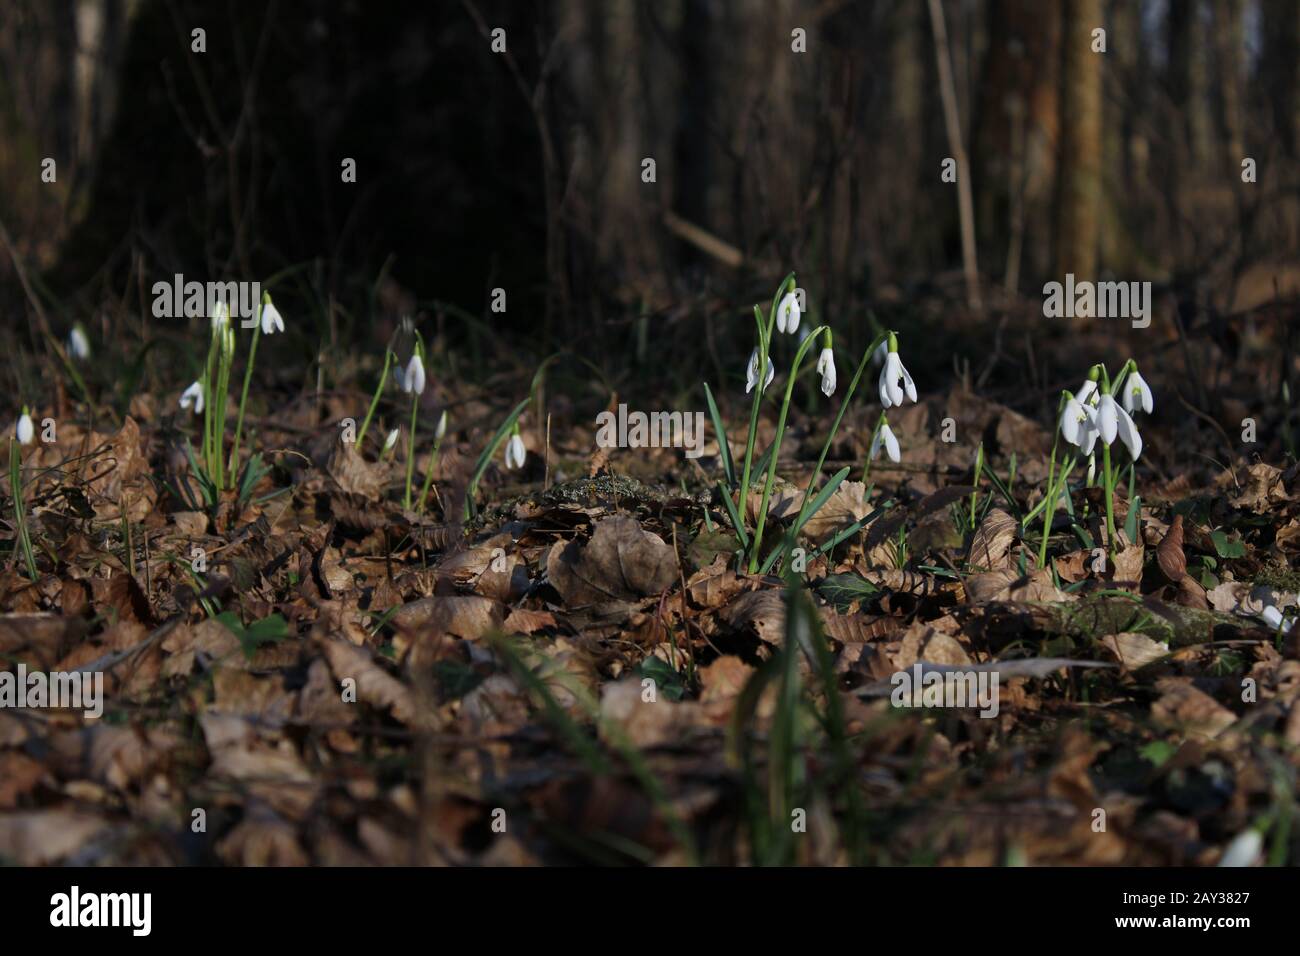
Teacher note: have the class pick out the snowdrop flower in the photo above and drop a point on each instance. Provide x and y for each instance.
(751, 373)
(1113, 420)
(413, 381)
(826, 365)
(1244, 849)
(787, 312)
(894, 380)
(78, 344)
(515, 452)
(271, 319)
(1077, 419)
(1137, 393)
(1273, 618)
(884, 437)
(390, 441)
(25, 431)
(440, 432)
(193, 396)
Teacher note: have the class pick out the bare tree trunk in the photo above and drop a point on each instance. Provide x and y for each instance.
(965, 207)
(1079, 193)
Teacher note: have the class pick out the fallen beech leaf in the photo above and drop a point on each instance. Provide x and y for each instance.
(621, 562)
(1169, 554)
(1134, 650)
(991, 543)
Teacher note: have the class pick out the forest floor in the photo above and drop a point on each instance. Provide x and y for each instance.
(310, 672)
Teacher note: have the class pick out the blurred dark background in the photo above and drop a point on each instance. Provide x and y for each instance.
(523, 170)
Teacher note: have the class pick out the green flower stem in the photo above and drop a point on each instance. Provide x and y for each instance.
(20, 508)
(776, 448)
(1110, 495)
(764, 340)
(428, 477)
(243, 400)
(219, 435)
(1049, 512)
(374, 402)
(410, 449)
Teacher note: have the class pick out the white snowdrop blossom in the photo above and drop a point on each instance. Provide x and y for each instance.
(788, 314)
(193, 397)
(885, 437)
(413, 381)
(515, 452)
(440, 432)
(826, 368)
(1113, 421)
(78, 344)
(271, 319)
(1273, 618)
(391, 440)
(894, 379)
(1137, 393)
(751, 372)
(25, 431)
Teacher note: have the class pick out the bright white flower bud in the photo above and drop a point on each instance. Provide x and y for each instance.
(78, 344)
(413, 380)
(25, 431)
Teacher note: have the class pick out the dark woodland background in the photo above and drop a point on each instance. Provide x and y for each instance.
(523, 170)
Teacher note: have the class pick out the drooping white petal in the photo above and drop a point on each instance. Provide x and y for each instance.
(787, 314)
(751, 372)
(891, 392)
(193, 396)
(885, 437)
(1071, 417)
(1085, 391)
(1273, 618)
(826, 367)
(1244, 850)
(413, 382)
(25, 431)
(1128, 433)
(515, 452)
(908, 385)
(441, 431)
(391, 440)
(1108, 418)
(271, 319)
(882, 350)
(78, 344)
(1137, 394)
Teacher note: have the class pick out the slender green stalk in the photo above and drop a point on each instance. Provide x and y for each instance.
(428, 476)
(974, 495)
(243, 400)
(1110, 494)
(1050, 511)
(764, 341)
(20, 509)
(776, 448)
(374, 402)
(410, 449)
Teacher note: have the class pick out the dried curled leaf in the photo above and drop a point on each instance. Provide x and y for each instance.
(621, 562)
(990, 546)
(1169, 554)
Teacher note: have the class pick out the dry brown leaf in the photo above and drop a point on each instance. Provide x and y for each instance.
(621, 562)
(1169, 554)
(1134, 650)
(990, 546)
